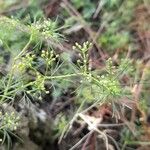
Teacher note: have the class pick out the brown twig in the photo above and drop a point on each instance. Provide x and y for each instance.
(89, 140)
(137, 92)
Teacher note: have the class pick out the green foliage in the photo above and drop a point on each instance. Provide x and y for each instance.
(117, 34)
(112, 4)
(143, 105)
(35, 8)
(35, 67)
(24, 60)
(126, 67)
(103, 87)
(25, 74)
(61, 123)
(114, 41)
(31, 11)
(92, 86)
(88, 8)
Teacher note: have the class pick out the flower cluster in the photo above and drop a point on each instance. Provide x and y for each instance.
(83, 48)
(47, 28)
(49, 57)
(110, 68)
(110, 86)
(39, 82)
(83, 54)
(9, 121)
(25, 62)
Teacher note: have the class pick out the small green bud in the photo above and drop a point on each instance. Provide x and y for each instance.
(78, 61)
(47, 92)
(57, 56)
(73, 47)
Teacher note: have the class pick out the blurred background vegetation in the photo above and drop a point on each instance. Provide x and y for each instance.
(119, 29)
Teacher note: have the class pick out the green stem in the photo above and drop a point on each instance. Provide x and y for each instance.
(25, 48)
(74, 75)
(12, 69)
(64, 76)
(137, 143)
(85, 61)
